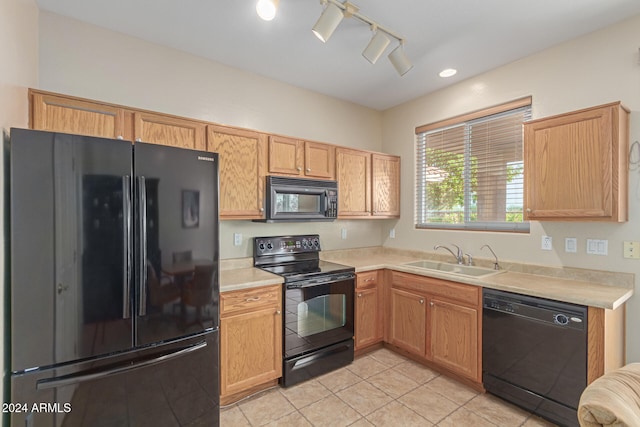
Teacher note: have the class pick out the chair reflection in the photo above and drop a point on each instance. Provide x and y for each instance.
(160, 294)
(183, 256)
(198, 292)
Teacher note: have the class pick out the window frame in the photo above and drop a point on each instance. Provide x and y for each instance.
(466, 120)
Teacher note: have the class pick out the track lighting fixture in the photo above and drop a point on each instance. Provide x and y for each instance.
(376, 46)
(328, 22)
(399, 60)
(267, 9)
(333, 14)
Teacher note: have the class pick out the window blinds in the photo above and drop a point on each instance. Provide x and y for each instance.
(469, 174)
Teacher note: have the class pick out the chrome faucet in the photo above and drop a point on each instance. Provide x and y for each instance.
(496, 266)
(459, 256)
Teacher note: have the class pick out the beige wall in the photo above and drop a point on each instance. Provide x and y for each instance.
(91, 62)
(595, 69)
(18, 44)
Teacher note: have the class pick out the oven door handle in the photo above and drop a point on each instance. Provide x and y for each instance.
(306, 284)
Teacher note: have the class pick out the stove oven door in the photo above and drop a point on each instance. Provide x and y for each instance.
(318, 320)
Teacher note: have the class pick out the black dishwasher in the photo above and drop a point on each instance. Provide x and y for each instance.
(534, 353)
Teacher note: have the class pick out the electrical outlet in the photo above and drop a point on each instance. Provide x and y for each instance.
(237, 239)
(571, 244)
(632, 250)
(547, 243)
(597, 247)
(392, 233)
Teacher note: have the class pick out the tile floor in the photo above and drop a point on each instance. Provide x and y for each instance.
(378, 389)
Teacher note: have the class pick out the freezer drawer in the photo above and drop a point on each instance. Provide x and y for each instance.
(173, 384)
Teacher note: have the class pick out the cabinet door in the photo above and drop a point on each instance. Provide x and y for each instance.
(319, 160)
(385, 176)
(70, 115)
(368, 323)
(242, 171)
(168, 130)
(354, 182)
(454, 337)
(250, 349)
(408, 321)
(575, 165)
(285, 155)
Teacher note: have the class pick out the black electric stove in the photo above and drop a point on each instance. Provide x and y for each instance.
(318, 303)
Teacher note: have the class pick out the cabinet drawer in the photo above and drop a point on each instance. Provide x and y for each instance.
(367, 279)
(249, 299)
(468, 294)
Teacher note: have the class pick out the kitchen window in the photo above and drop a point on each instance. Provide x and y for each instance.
(469, 170)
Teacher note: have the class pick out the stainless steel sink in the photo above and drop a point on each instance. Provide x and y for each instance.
(465, 270)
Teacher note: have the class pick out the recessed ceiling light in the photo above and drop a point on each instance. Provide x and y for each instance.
(448, 72)
(267, 9)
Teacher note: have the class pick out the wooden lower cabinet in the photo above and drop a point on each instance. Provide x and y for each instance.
(250, 341)
(369, 313)
(454, 337)
(408, 321)
(438, 321)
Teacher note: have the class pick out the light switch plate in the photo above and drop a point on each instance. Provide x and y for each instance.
(237, 239)
(547, 243)
(632, 250)
(392, 233)
(343, 233)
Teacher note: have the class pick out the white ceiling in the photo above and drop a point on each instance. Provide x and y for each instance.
(472, 36)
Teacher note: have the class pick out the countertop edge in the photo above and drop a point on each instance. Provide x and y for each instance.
(613, 298)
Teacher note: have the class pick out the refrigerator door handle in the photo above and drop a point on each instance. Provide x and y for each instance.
(125, 366)
(127, 249)
(142, 212)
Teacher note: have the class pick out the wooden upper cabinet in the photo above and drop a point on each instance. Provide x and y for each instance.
(576, 165)
(385, 185)
(57, 113)
(319, 160)
(168, 130)
(242, 171)
(289, 156)
(285, 155)
(353, 173)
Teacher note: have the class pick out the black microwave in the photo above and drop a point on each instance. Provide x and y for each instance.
(300, 199)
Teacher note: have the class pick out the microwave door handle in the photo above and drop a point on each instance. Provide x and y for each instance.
(326, 202)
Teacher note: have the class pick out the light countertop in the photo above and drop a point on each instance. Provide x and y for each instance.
(591, 288)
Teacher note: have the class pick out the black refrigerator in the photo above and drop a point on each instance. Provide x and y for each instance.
(114, 294)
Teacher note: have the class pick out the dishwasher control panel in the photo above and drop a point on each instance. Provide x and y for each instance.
(536, 309)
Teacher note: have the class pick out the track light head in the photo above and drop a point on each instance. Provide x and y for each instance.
(267, 9)
(375, 48)
(328, 22)
(399, 60)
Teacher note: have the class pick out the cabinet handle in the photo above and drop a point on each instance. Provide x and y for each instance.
(308, 169)
(359, 294)
(138, 139)
(431, 303)
(421, 301)
(299, 168)
(370, 279)
(278, 312)
(261, 209)
(120, 137)
(528, 210)
(252, 299)
(62, 288)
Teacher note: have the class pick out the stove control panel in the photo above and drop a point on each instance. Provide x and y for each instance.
(286, 244)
